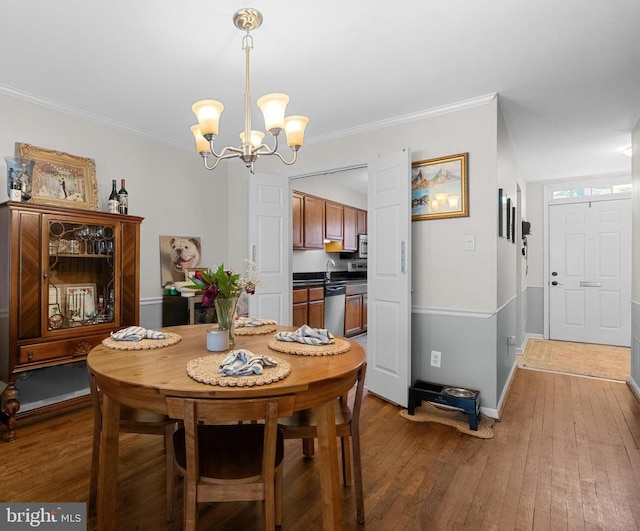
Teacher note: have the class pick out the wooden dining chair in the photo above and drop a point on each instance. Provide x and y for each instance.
(302, 425)
(223, 460)
(133, 421)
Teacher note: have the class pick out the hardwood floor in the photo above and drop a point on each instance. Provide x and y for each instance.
(564, 456)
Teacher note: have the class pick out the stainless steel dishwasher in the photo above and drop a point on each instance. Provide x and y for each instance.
(334, 301)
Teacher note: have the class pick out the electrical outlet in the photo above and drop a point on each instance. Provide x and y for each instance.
(435, 358)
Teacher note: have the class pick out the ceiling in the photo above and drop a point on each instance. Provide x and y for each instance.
(567, 73)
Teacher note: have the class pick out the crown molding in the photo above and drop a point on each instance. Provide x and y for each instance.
(78, 113)
(365, 128)
(405, 118)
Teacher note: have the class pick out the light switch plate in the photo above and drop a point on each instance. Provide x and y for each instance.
(469, 243)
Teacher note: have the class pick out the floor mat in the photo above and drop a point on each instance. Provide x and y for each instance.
(600, 361)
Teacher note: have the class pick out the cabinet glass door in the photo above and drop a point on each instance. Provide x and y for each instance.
(79, 284)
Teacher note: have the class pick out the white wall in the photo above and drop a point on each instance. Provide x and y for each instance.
(508, 178)
(444, 275)
(167, 186)
(635, 216)
(635, 261)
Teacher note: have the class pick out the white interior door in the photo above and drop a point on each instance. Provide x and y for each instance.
(590, 272)
(389, 278)
(270, 246)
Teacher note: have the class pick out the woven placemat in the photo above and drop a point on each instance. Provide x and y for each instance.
(205, 370)
(255, 330)
(302, 349)
(143, 344)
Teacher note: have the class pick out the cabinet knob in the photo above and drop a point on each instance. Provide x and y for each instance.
(30, 355)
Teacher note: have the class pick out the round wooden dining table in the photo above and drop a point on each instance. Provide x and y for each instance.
(144, 378)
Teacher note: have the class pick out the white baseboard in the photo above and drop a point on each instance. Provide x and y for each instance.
(521, 349)
(634, 387)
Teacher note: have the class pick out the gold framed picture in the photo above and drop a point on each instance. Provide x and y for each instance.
(440, 188)
(61, 179)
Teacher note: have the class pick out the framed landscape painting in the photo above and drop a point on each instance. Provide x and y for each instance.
(440, 188)
(61, 179)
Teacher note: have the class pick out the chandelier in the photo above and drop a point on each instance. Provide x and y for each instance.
(272, 106)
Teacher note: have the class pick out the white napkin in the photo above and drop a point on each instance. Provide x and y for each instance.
(253, 321)
(306, 334)
(136, 333)
(244, 363)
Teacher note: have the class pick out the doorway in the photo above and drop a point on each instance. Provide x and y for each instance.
(587, 273)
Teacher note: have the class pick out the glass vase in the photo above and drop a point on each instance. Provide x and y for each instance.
(226, 313)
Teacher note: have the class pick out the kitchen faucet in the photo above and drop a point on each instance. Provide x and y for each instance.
(327, 272)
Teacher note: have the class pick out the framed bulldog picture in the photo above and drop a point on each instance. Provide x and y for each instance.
(178, 254)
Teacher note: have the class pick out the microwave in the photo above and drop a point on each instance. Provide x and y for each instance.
(362, 246)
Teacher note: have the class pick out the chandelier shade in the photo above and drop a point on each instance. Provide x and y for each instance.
(273, 107)
(208, 114)
(255, 138)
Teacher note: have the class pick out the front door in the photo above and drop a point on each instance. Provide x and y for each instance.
(389, 278)
(590, 272)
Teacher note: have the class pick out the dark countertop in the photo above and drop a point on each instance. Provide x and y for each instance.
(301, 280)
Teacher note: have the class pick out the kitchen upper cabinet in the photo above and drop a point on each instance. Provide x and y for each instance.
(316, 220)
(362, 222)
(313, 217)
(308, 221)
(297, 209)
(350, 229)
(333, 221)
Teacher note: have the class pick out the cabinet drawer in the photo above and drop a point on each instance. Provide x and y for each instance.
(316, 294)
(58, 349)
(356, 289)
(300, 295)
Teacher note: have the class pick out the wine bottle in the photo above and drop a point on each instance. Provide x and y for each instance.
(113, 198)
(15, 193)
(123, 198)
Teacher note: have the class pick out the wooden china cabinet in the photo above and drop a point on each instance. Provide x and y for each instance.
(67, 279)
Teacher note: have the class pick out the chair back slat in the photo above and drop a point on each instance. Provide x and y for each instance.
(225, 411)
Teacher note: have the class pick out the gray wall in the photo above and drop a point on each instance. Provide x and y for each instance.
(534, 310)
(468, 346)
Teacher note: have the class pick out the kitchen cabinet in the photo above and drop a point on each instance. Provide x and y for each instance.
(322, 224)
(313, 222)
(333, 224)
(308, 307)
(71, 277)
(355, 312)
(350, 229)
(297, 209)
(362, 222)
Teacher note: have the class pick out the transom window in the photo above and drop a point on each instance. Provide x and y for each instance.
(592, 190)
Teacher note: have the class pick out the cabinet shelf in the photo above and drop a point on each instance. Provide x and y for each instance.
(69, 255)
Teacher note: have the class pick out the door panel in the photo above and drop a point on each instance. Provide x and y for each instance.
(590, 264)
(389, 279)
(270, 244)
